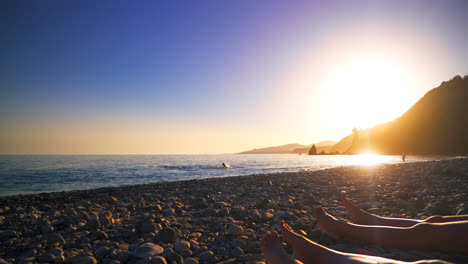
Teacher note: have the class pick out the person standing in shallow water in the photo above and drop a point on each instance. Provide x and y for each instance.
(403, 157)
(438, 233)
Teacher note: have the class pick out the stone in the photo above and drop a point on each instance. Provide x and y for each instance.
(281, 215)
(234, 261)
(56, 251)
(256, 216)
(191, 261)
(166, 235)
(237, 252)
(158, 260)
(53, 238)
(238, 243)
(71, 212)
(82, 260)
(267, 216)
(81, 225)
(7, 234)
(147, 250)
(174, 257)
(47, 258)
(235, 230)
(199, 203)
(302, 222)
(147, 227)
(28, 253)
(185, 253)
(94, 223)
(46, 228)
(167, 251)
(438, 208)
(101, 252)
(105, 215)
(84, 215)
(101, 235)
(124, 256)
(26, 260)
(207, 256)
(106, 221)
(180, 246)
(252, 247)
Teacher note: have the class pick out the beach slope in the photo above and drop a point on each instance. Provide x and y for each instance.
(222, 219)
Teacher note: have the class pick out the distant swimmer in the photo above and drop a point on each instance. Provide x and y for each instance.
(226, 165)
(403, 158)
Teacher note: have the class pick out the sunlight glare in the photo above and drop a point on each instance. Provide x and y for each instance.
(367, 91)
(368, 159)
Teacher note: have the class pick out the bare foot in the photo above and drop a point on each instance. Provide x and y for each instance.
(309, 252)
(327, 223)
(357, 215)
(306, 250)
(274, 252)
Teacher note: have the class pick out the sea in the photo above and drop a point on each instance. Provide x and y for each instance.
(26, 174)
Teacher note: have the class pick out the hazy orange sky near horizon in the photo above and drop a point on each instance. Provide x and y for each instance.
(218, 79)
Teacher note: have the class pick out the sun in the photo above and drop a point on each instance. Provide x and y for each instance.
(367, 90)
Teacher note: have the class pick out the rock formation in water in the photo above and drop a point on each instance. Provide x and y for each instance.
(313, 150)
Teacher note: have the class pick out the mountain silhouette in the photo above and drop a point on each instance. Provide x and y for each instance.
(274, 150)
(436, 125)
(291, 148)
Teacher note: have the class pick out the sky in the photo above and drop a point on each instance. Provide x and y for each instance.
(203, 77)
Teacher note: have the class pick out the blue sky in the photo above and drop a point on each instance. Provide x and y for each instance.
(212, 67)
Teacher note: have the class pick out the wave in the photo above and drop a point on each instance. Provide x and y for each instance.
(195, 167)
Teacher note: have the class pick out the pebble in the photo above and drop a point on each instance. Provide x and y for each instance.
(28, 253)
(7, 234)
(174, 257)
(48, 258)
(101, 252)
(180, 246)
(237, 252)
(147, 227)
(82, 260)
(207, 256)
(235, 230)
(46, 228)
(147, 250)
(158, 260)
(55, 238)
(191, 261)
(166, 235)
(94, 223)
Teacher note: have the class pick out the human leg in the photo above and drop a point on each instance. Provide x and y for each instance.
(359, 216)
(449, 237)
(310, 252)
(446, 219)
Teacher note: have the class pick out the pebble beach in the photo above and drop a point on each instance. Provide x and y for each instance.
(222, 220)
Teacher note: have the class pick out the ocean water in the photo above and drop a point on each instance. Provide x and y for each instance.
(23, 174)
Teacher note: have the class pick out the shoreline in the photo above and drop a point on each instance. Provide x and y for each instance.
(442, 158)
(222, 219)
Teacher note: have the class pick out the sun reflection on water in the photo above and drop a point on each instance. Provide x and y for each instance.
(368, 159)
